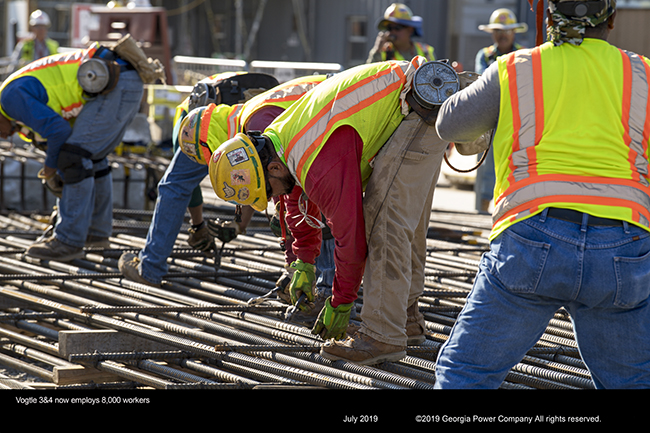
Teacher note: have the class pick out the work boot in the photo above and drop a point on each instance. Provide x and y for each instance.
(53, 249)
(415, 325)
(129, 266)
(97, 242)
(362, 349)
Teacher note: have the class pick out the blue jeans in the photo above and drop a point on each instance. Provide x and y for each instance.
(86, 208)
(174, 192)
(325, 266)
(601, 275)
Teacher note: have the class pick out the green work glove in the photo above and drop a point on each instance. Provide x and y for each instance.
(302, 281)
(333, 322)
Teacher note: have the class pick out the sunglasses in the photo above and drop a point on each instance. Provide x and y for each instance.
(395, 27)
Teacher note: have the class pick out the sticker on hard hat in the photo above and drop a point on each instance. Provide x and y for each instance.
(237, 156)
(228, 191)
(216, 155)
(243, 194)
(240, 177)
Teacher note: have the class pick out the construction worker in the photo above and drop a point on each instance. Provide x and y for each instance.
(46, 102)
(199, 132)
(38, 44)
(353, 133)
(200, 236)
(571, 224)
(395, 38)
(503, 27)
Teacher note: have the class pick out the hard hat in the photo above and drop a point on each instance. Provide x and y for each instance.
(236, 173)
(399, 13)
(586, 9)
(503, 19)
(39, 18)
(193, 127)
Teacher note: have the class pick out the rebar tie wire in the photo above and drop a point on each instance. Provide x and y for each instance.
(178, 308)
(106, 275)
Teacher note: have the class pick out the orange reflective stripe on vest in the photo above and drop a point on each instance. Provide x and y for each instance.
(536, 176)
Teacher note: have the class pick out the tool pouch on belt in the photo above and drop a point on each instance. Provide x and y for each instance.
(150, 70)
(70, 164)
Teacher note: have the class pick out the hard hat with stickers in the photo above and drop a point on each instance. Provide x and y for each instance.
(237, 175)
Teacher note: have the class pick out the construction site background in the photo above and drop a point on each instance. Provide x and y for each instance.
(195, 39)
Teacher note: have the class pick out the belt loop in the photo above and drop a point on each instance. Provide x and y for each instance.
(626, 227)
(585, 222)
(543, 215)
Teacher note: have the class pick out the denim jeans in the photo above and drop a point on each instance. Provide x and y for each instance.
(325, 266)
(174, 192)
(86, 208)
(600, 275)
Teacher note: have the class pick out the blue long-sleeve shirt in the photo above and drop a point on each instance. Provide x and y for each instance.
(25, 100)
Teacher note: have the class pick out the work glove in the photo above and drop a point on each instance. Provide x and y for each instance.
(333, 322)
(200, 239)
(302, 282)
(283, 283)
(225, 231)
(53, 183)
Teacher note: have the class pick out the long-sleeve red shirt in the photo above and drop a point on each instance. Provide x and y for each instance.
(333, 186)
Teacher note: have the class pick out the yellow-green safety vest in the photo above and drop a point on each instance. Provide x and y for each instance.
(226, 121)
(423, 50)
(573, 132)
(58, 74)
(370, 98)
(27, 49)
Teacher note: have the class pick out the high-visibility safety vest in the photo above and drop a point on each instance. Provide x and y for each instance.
(58, 74)
(28, 48)
(573, 133)
(423, 50)
(226, 121)
(369, 98)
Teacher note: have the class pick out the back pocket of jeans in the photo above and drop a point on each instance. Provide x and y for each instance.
(632, 280)
(520, 262)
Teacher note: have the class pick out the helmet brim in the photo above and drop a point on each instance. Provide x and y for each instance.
(517, 27)
(415, 22)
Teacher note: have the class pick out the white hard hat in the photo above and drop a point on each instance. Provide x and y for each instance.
(39, 18)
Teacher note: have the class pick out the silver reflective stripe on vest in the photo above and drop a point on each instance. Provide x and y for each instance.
(526, 134)
(339, 104)
(638, 113)
(552, 188)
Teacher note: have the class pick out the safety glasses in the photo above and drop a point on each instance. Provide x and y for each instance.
(395, 27)
(311, 220)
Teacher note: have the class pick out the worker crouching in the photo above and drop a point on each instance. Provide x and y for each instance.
(354, 133)
(78, 127)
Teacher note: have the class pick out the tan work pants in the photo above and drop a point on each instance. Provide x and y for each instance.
(397, 208)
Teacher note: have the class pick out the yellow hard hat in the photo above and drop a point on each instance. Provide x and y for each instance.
(236, 173)
(399, 13)
(192, 136)
(504, 19)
